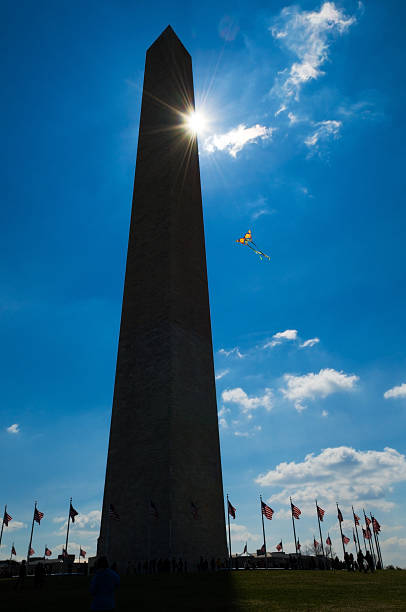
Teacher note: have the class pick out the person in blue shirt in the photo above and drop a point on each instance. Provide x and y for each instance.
(103, 585)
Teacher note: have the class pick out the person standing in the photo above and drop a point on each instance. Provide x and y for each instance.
(103, 586)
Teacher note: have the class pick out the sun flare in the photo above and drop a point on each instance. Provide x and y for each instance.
(196, 122)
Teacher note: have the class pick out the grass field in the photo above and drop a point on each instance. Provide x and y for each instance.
(243, 590)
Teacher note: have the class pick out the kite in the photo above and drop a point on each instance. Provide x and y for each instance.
(247, 240)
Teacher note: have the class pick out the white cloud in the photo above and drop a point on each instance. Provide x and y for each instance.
(353, 476)
(292, 118)
(234, 351)
(280, 110)
(309, 343)
(250, 433)
(223, 423)
(308, 35)
(246, 404)
(222, 413)
(260, 212)
(312, 385)
(236, 139)
(324, 413)
(324, 130)
(393, 550)
(221, 374)
(240, 533)
(288, 334)
(13, 429)
(89, 520)
(13, 525)
(395, 392)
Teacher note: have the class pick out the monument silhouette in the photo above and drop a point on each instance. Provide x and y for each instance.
(163, 495)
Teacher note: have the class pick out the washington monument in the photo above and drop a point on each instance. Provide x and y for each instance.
(163, 495)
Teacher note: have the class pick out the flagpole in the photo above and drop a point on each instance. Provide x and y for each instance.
(331, 552)
(356, 530)
(370, 539)
(67, 530)
(2, 525)
(80, 548)
(229, 534)
(321, 537)
(355, 541)
(341, 531)
(263, 531)
(380, 554)
(11, 555)
(365, 544)
(293, 523)
(32, 531)
(378, 548)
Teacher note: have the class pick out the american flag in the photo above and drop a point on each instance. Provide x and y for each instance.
(376, 526)
(328, 541)
(153, 510)
(367, 520)
(356, 519)
(345, 539)
(195, 510)
(6, 519)
(279, 546)
(315, 543)
(48, 552)
(13, 550)
(299, 546)
(339, 515)
(295, 511)
(113, 514)
(38, 516)
(72, 512)
(31, 552)
(231, 510)
(266, 510)
(82, 553)
(320, 512)
(368, 532)
(262, 549)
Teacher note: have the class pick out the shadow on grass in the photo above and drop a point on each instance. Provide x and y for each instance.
(241, 590)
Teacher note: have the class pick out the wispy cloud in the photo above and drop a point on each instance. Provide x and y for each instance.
(324, 130)
(234, 351)
(249, 433)
(279, 337)
(239, 397)
(13, 429)
(309, 343)
(241, 533)
(13, 525)
(308, 35)
(236, 139)
(221, 374)
(280, 110)
(359, 477)
(312, 386)
(396, 392)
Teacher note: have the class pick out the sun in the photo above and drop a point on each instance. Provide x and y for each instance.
(196, 122)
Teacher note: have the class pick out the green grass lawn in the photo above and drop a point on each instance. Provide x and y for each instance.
(243, 590)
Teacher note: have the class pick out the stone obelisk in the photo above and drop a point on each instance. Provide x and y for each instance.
(163, 476)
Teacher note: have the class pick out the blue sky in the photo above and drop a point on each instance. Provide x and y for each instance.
(304, 145)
